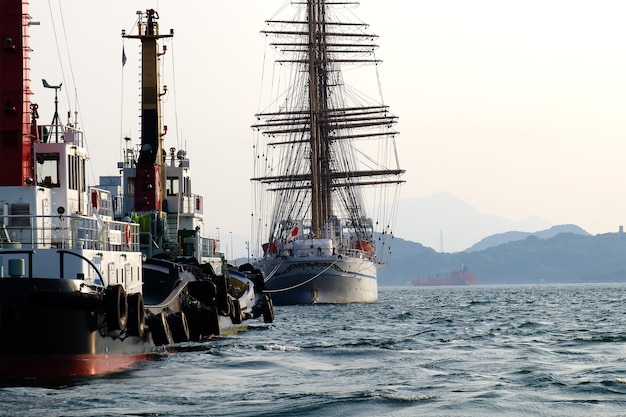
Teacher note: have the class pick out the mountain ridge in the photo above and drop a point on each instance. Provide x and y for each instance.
(501, 238)
(445, 222)
(559, 258)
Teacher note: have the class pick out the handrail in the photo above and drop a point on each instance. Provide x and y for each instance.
(73, 231)
(60, 133)
(63, 252)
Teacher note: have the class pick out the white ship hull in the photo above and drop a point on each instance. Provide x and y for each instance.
(320, 279)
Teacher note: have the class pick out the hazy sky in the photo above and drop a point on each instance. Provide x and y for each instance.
(516, 107)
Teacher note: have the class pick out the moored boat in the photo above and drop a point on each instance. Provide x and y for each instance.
(323, 151)
(71, 300)
(189, 291)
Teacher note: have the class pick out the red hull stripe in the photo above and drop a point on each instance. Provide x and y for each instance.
(67, 366)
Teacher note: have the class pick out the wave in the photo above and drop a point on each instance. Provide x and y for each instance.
(281, 348)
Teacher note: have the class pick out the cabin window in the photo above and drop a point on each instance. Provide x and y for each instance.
(76, 172)
(83, 180)
(172, 186)
(187, 186)
(106, 205)
(48, 170)
(130, 189)
(71, 169)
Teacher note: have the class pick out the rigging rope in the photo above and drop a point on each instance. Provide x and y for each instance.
(77, 113)
(178, 138)
(121, 147)
(282, 170)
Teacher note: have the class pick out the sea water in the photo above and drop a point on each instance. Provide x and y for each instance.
(543, 350)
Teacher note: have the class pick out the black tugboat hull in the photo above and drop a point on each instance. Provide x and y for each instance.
(179, 288)
(55, 329)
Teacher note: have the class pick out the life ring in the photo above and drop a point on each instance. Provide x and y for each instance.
(128, 235)
(178, 326)
(115, 307)
(161, 334)
(136, 315)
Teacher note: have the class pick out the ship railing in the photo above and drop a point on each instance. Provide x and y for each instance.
(67, 232)
(185, 204)
(25, 267)
(355, 253)
(57, 133)
(203, 247)
(301, 253)
(208, 247)
(192, 204)
(107, 208)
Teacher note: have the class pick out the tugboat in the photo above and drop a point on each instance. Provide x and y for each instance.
(71, 301)
(189, 291)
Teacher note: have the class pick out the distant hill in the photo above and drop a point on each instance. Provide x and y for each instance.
(564, 257)
(502, 238)
(444, 222)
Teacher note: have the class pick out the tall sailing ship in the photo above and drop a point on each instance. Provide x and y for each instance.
(323, 151)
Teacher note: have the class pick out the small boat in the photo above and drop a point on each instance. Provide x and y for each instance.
(71, 295)
(190, 293)
(323, 150)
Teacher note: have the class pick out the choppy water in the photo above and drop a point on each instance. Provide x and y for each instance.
(441, 351)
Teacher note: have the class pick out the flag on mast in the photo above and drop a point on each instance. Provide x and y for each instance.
(123, 56)
(293, 233)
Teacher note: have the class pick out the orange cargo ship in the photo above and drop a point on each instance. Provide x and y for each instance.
(461, 276)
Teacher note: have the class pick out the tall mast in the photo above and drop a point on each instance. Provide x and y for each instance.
(318, 98)
(317, 160)
(314, 109)
(18, 128)
(149, 180)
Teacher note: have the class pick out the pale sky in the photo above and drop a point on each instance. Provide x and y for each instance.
(516, 107)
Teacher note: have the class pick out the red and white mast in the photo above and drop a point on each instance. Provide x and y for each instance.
(18, 128)
(149, 181)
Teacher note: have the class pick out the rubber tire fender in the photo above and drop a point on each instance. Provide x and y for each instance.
(115, 307)
(160, 329)
(136, 315)
(203, 291)
(268, 309)
(178, 326)
(203, 323)
(235, 311)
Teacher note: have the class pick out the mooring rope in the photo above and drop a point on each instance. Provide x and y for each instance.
(271, 274)
(300, 284)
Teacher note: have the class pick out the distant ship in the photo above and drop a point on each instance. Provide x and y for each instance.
(461, 276)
